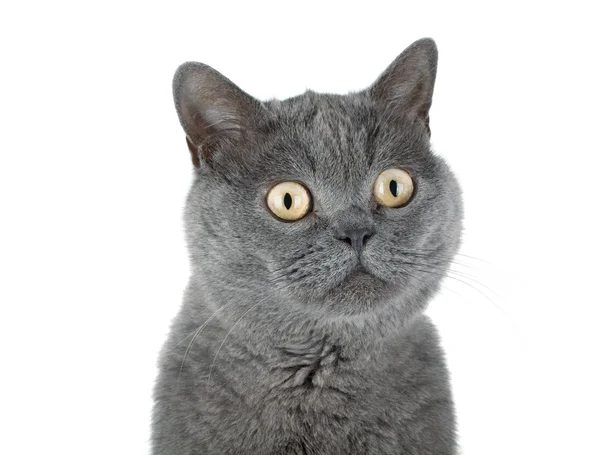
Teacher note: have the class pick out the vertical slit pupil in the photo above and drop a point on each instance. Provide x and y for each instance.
(394, 188)
(287, 201)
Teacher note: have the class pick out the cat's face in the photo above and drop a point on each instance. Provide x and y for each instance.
(351, 251)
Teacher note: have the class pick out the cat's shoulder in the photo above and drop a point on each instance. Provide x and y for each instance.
(422, 331)
(419, 346)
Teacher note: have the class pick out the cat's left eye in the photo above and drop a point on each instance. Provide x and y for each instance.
(289, 201)
(393, 188)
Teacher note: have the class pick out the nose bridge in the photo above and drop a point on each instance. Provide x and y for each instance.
(353, 226)
(352, 218)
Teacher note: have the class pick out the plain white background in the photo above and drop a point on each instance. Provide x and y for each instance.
(94, 172)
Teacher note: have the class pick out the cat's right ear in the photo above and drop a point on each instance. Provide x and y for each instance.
(213, 111)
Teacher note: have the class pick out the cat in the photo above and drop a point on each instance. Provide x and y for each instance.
(318, 229)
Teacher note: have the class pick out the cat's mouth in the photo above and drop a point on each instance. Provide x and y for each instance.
(360, 269)
(365, 273)
(358, 290)
(360, 273)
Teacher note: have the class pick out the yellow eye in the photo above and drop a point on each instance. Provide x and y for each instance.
(289, 201)
(393, 188)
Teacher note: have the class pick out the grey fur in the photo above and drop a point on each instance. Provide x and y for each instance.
(281, 346)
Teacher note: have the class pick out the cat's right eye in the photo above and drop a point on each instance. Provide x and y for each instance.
(289, 201)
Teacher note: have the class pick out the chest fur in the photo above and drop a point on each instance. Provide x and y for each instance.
(314, 398)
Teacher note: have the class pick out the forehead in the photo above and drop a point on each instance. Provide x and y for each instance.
(327, 129)
(337, 144)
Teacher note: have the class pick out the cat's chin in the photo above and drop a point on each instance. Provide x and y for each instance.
(359, 275)
(359, 292)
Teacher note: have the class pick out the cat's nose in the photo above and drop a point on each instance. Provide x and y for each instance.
(356, 238)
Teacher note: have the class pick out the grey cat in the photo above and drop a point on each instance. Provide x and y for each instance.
(318, 227)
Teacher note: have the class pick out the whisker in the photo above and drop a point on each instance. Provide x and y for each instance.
(196, 333)
(437, 252)
(506, 316)
(225, 339)
(442, 285)
(456, 272)
(449, 257)
(472, 278)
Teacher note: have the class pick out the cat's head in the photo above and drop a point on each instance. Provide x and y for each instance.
(321, 201)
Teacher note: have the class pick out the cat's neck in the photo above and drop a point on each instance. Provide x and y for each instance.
(293, 346)
(336, 357)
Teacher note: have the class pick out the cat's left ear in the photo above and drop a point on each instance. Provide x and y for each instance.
(406, 86)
